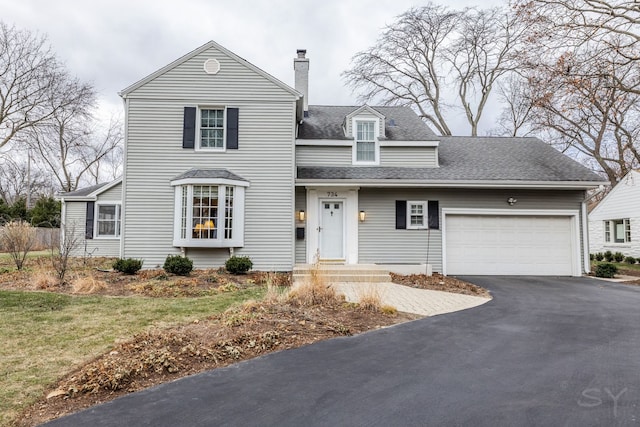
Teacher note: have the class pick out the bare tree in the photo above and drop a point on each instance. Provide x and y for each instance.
(432, 52)
(71, 145)
(109, 166)
(17, 178)
(34, 85)
(70, 238)
(515, 119)
(581, 62)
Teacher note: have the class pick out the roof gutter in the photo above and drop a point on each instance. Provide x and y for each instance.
(555, 185)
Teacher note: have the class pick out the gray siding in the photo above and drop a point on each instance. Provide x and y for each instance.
(112, 194)
(409, 156)
(313, 155)
(380, 242)
(301, 204)
(265, 158)
(75, 216)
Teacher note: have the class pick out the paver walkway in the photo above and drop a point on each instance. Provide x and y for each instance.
(411, 300)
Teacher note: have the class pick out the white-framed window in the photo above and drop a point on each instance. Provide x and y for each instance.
(617, 231)
(107, 220)
(211, 128)
(416, 215)
(366, 149)
(209, 213)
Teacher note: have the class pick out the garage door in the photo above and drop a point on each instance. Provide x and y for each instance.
(509, 245)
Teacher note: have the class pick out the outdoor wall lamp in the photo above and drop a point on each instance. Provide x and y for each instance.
(301, 216)
(362, 215)
(512, 201)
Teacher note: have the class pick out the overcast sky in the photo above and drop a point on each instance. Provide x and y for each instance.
(115, 43)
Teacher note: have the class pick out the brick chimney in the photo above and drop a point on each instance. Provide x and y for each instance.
(301, 68)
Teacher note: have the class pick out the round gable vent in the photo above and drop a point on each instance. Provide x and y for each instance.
(211, 66)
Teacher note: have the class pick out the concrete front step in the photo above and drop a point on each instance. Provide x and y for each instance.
(357, 273)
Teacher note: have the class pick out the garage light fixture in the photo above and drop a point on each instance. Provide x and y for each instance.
(301, 216)
(362, 216)
(512, 201)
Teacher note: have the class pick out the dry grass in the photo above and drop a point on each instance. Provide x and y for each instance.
(44, 279)
(87, 285)
(369, 297)
(315, 291)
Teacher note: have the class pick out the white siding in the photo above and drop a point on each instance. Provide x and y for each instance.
(114, 193)
(265, 158)
(622, 202)
(380, 242)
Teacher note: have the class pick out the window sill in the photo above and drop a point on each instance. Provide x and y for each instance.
(106, 237)
(208, 244)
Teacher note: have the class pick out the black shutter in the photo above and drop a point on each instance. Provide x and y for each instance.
(88, 230)
(189, 127)
(232, 128)
(433, 211)
(401, 214)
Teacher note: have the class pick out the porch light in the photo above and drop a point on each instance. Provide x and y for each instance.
(301, 216)
(512, 201)
(362, 215)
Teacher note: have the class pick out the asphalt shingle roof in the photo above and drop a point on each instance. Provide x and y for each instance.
(325, 122)
(84, 191)
(209, 173)
(474, 159)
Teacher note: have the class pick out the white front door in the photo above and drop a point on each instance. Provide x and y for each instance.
(331, 229)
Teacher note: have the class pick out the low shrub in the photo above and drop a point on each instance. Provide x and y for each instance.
(599, 256)
(608, 256)
(592, 257)
(176, 264)
(618, 257)
(127, 265)
(630, 260)
(238, 264)
(606, 270)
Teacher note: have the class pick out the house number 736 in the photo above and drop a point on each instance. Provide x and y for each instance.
(332, 194)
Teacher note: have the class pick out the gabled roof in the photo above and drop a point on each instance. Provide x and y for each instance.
(365, 108)
(204, 47)
(474, 159)
(89, 193)
(632, 177)
(326, 122)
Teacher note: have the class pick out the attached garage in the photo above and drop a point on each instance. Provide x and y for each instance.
(511, 244)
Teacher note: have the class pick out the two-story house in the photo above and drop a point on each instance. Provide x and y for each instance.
(222, 158)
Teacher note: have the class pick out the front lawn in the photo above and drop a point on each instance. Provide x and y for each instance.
(44, 335)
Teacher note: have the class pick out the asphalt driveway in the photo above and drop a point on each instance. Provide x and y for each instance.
(544, 351)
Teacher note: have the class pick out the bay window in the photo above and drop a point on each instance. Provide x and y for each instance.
(209, 212)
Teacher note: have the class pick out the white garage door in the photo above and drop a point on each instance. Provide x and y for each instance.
(505, 245)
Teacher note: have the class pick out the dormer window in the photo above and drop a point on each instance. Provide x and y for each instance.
(365, 142)
(366, 148)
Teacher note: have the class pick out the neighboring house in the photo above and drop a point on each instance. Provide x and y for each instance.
(221, 158)
(614, 224)
(93, 216)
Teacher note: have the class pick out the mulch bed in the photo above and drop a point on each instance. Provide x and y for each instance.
(438, 282)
